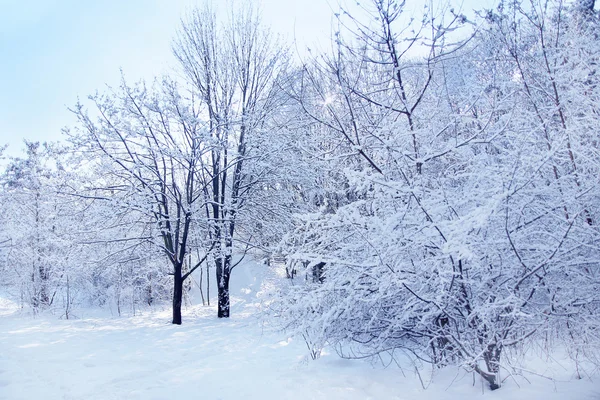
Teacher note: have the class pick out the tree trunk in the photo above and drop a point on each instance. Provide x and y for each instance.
(491, 357)
(44, 277)
(207, 285)
(200, 287)
(177, 294)
(223, 274)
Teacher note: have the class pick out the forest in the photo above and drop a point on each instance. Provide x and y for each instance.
(428, 185)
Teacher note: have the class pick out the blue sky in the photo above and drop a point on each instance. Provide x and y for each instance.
(54, 51)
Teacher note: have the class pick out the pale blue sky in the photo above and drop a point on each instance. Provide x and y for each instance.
(52, 51)
(55, 50)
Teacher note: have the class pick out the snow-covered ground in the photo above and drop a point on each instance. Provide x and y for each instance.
(145, 357)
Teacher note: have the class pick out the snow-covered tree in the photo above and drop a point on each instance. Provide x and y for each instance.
(468, 212)
(235, 71)
(155, 141)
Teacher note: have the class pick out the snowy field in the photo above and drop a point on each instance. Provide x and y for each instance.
(145, 357)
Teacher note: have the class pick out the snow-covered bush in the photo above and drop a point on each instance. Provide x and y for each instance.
(472, 225)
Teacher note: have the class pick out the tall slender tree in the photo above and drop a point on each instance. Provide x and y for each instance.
(234, 69)
(155, 141)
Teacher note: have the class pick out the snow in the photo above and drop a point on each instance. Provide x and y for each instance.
(145, 357)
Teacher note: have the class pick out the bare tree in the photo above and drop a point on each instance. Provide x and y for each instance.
(234, 68)
(155, 141)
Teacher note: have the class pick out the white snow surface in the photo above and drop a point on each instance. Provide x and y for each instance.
(146, 357)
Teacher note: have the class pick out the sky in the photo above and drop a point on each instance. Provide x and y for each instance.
(53, 52)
